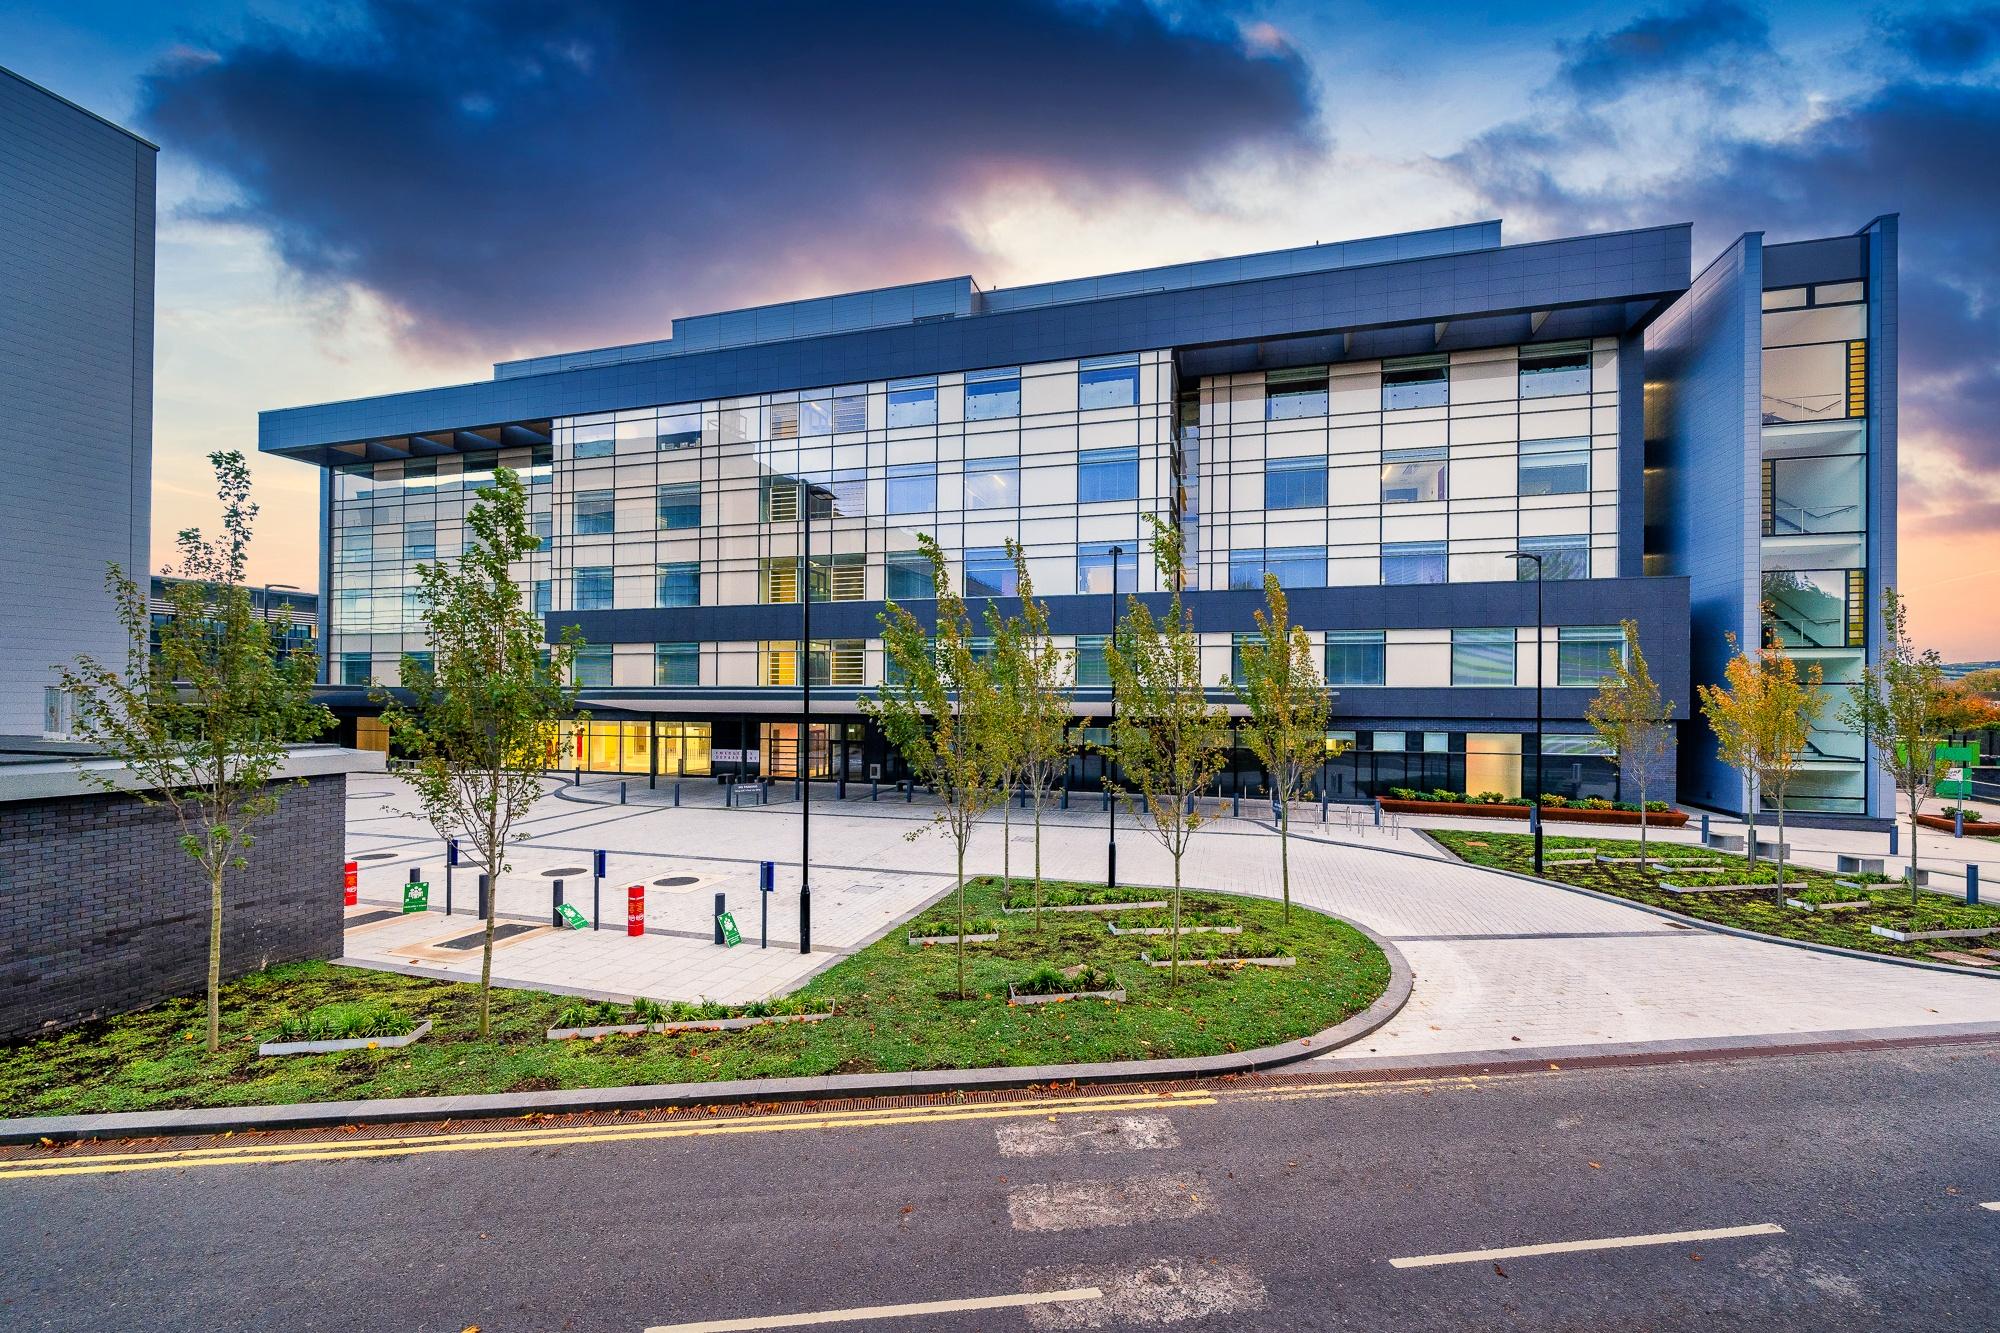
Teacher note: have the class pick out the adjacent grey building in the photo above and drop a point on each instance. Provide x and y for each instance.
(76, 387)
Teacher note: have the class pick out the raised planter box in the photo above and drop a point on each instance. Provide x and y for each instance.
(685, 1025)
(1726, 842)
(345, 1043)
(1848, 864)
(1909, 936)
(1981, 827)
(1112, 926)
(1805, 906)
(916, 940)
(1712, 888)
(1015, 997)
(1629, 818)
(1087, 907)
(1151, 961)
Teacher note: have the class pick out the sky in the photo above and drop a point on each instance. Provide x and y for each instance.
(376, 195)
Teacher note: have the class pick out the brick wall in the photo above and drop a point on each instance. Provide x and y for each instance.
(101, 911)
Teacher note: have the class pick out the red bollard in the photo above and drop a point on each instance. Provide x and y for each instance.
(635, 910)
(350, 884)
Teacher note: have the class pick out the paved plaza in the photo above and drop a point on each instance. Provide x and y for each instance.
(1500, 963)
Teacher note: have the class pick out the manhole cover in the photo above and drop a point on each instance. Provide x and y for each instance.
(561, 871)
(373, 856)
(676, 881)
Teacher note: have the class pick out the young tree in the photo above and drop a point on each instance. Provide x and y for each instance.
(478, 720)
(1629, 716)
(203, 724)
(1039, 674)
(1902, 707)
(1168, 738)
(937, 707)
(1005, 757)
(1763, 718)
(1289, 707)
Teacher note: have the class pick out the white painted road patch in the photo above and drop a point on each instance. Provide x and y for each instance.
(1573, 1246)
(1086, 1134)
(1165, 1291)
(1079, 1204)
(869, 1313)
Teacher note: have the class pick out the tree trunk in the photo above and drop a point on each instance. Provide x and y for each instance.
(492, 918)
(1174, 966)
(961, 920)
(1781, 849)
(215, 959)
(1750, 840)
(1914, 826)
(1038, 858)
(1642, 824)
(1006, 841)
(1285, 855)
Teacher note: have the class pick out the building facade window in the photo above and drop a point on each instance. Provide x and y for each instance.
(676, 664)
(1555, 369)
(912, 488)
(1555, 467)
(1356, 657)
(1096, 570)
(678, 584)
(420, 541)
(839, 578)
(679, 505)
(778, 579)
(1566, 557)
(1411, 476)
(913, 402)
(593, 588)
(992, 394)
(595, 513)
(354, 668)
(1413, 562)
(1416, 381)
(1482, 656)
(992, 483)
(1291, 394)
(677, 430)
(1586, 654)
(906, 577)
(1107, 474)
(1295, 483)
(1107, 381)
(594, 441)
(839, 662)
(989, 572)
(543, 598)
(593, 665)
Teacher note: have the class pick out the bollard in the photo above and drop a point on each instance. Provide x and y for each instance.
(597, 859)
(576, 777)
(1065, 796)
(1236, 804)
(485, 897)
(720, 908)
(556, 906)
(1704, 830)
(1971, 884)
(677, 796)
(767, 884)
(1105, 797)
(1892, 839)
(874, 789)
(635, 911)
(1958, 822)
(350, 884)
(1378, 812)
(450, 863)
(840, 789)
(909, 791)
(621, 791)
(1322, 804)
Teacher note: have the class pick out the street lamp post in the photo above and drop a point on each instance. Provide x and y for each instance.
(1536, 810)
(804, 753)
(1110, 798)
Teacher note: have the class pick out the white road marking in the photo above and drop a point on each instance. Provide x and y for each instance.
(1569, 1246)
(1032, 1300)
(1075, 1205)
(1086, 1134)
(1165, 1291)
(1991, 1207)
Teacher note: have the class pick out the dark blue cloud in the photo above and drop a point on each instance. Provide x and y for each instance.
(532, 174)
(1699, 39)
(1947, 43)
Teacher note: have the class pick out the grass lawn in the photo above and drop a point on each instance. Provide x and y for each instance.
(1889, 901)
(895, 1008)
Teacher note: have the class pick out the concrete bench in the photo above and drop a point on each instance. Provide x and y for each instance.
(1858, 865)
(1727, 842)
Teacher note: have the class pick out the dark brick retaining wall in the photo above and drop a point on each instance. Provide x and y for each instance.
(101, 911)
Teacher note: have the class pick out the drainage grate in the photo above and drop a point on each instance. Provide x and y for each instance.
(676, 881)
(373, 856)
(369, 918)
(478, 938)
(561, 872)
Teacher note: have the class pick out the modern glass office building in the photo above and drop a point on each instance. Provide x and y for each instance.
(1381, 423)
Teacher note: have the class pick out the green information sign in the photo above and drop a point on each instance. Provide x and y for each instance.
(731, 937)
(572, 918)
(416, 897)
(1956, 781)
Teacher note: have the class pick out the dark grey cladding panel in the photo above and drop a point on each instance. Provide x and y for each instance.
(1612, 269)
(1659, 605)
(1834, 259)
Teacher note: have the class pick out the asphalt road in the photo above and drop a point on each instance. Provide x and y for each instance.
(1847, 1191)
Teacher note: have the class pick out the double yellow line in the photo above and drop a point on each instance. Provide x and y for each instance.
(251, 1153)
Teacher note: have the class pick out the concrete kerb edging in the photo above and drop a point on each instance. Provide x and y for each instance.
(1695, 921)
(319, 1115)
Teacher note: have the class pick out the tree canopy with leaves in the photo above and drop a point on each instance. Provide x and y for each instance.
(1763, 717)
(1630, 715)
(478, 719)
(1037, 676)
(939, 706)
(1288, 708)
(202, 725)
(1168, 739)
(1904, 708)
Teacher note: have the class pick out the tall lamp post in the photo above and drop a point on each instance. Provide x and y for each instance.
(1536, 812)
(804, 759)
(1110, 802)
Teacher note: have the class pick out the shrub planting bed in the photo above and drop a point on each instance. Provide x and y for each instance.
(1889, 903)
(1492, 805)
(893, 1008)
